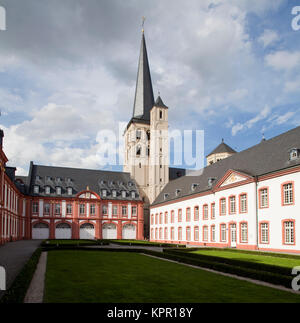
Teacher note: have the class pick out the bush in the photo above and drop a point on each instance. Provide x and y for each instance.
(235, 262)
(17, 292)
(270, 277)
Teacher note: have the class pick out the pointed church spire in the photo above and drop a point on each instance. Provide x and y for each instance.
(144, 99)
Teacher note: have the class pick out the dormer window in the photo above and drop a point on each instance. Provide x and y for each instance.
(36, 189)
(104, 193)
(124, 194)
(177, 192)
(129, 184)
(58, 190)
(166, 195)
(47, 190)
(70, 191)
(133, 195)
(37, 178)
(48, 178)
(294, 154)
(194, 186)
(210, 181)
(114, 193)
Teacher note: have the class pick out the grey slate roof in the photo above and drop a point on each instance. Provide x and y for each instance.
(79, 179)
(222, 148)
(159, 103)
(144, 99)
(266, 157)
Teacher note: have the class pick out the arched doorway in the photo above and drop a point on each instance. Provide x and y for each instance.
(40, 231)
(63, 231)
(87, 231)
(109, 231)
(129, 232)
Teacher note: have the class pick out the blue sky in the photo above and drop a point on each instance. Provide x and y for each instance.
(68, 70)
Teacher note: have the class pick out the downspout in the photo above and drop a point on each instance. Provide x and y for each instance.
(256, 211)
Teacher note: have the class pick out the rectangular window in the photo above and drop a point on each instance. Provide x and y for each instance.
(160, 218)
(232, 205)
(124, 212)
(115, 210)
(172, 217)
(264, 233)
(36, 189)
(47, 190)
(57, 209)
(213, 211)
(133, 211)
(179, 215)
(166, 233)
(188, 214)
(196, 234)
(223, 206)
(70, 191)
(263, 198)
(223, 232)
(104, 209)
(213, 233)
(166, 218)
(47, 208)
(188, 234)
(35, 207)
(179, 234)
(82, 209)
(243, 203)
(92, 209)
(69, 208)
(244, 232)
(196, 213)
(289, 232)
(205, 212)
(288, 194)
(172, 234)
(205, 233)
(58, 190)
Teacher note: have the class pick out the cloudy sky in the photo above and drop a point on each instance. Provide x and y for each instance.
(68, 70)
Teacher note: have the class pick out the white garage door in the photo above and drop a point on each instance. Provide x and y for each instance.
(63, 231)
(129, 232)
(87, 231)
(109, 231)
(40, 231)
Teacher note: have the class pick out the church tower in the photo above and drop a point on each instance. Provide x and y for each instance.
(146, 138)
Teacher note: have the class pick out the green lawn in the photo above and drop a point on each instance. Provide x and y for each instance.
(265, 259)
(95, 276)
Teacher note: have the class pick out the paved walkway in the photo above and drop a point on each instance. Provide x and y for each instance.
(13, 256)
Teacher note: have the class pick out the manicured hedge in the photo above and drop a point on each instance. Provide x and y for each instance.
(17, 292)
(145, 243)
(75, 243)
(273, 278)
(251, 252)
(235, 262)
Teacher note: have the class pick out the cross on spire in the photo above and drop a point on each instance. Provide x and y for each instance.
(143, 22)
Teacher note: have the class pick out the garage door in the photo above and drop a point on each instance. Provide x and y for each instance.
(87, 231)
(129, 232)
(63, 231)
(40, 231)
(109, 231)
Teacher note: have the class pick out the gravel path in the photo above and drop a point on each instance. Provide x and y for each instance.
(35, 292)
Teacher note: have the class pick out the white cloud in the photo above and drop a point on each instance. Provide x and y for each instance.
(268, 37)
(283, 60)
(250, 123)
